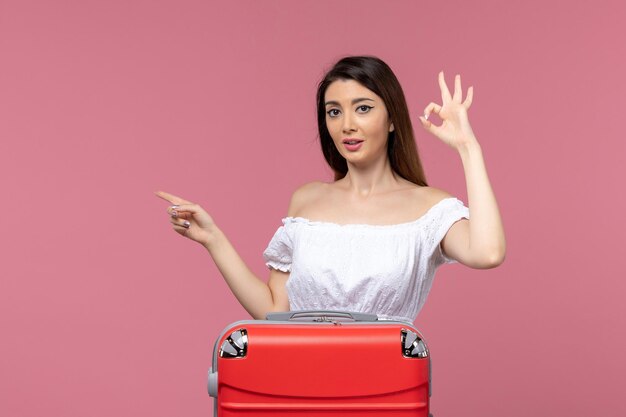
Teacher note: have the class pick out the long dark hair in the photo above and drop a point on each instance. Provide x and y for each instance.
(375, 75)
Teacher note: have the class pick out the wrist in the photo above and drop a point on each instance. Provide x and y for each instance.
(213, 236)
(468, 148)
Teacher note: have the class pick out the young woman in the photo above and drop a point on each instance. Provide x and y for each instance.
(371, 240)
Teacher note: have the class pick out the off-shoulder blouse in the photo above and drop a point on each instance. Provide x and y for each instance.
(383, 269)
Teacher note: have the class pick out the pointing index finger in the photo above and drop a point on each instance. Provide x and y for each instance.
(171, 198)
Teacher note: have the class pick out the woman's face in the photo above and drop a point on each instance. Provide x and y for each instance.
(358, 121)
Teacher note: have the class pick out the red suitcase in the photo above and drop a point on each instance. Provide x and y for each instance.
(320, 363)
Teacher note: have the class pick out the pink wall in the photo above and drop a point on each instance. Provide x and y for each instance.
(104, 310)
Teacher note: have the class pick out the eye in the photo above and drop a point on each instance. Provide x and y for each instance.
(332, 113)
(364, 108)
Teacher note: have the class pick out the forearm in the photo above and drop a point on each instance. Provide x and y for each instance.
(251, 292)
(486, 233)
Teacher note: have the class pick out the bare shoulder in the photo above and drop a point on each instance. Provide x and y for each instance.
(305, 195)
(431, 195)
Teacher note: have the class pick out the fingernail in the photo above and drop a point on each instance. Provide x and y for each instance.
(174, 207)
(174, 214)
(426, 116)
(186, 224)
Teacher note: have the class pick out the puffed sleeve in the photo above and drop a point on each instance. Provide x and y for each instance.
(451, 211)
(278, 252)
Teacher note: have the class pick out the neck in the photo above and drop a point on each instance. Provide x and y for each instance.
(364, 181)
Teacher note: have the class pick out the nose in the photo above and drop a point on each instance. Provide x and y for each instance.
(348, 124)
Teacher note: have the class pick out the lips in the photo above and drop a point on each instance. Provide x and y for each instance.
(352, 144)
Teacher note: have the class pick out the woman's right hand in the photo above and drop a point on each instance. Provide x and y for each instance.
(189, 219)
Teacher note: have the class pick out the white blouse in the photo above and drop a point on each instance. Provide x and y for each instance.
(387, 270)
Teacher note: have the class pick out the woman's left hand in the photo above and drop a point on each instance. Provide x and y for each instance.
(455, 130)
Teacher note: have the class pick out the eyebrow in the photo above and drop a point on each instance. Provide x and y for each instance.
(356, 100)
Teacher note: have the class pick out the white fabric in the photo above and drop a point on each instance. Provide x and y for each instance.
(383, 269)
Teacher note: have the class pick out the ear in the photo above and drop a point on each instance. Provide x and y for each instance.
(391, 127)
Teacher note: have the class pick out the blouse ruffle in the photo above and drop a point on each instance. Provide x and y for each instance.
(451, 212)
(278, 253)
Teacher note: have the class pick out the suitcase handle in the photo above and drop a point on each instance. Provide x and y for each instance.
(320, 315)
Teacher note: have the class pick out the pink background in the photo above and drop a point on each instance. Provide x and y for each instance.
(104, 310)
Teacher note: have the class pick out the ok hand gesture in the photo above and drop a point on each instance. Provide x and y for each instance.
(455, 130)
